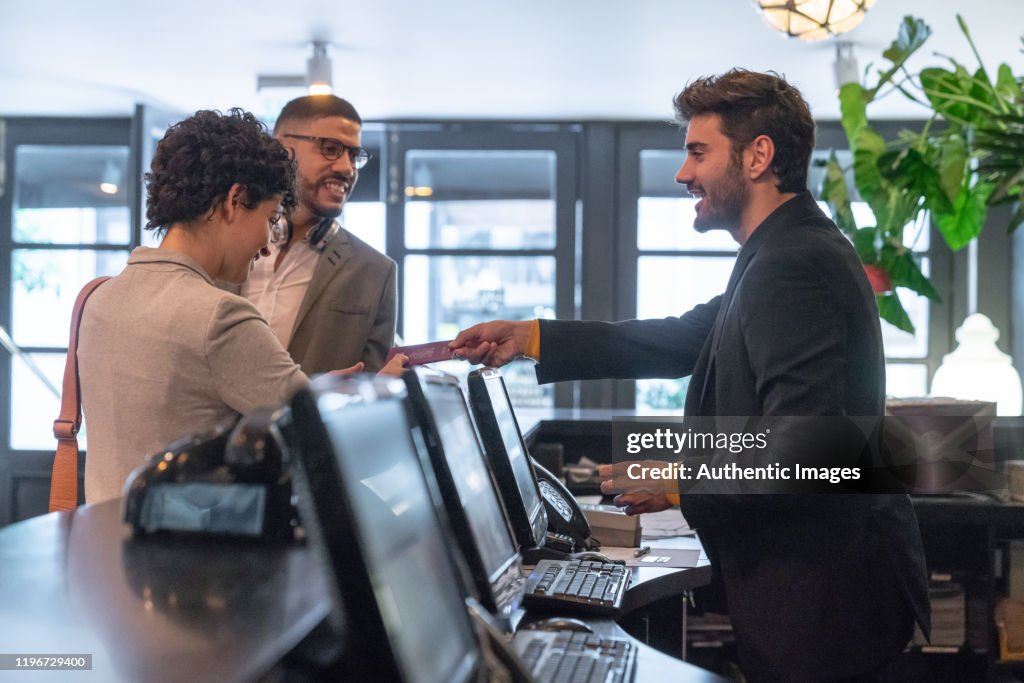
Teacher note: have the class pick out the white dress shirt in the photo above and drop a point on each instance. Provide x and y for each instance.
(279, 293)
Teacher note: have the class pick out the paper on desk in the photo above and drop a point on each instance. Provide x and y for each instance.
(665, 524)
(675, 558)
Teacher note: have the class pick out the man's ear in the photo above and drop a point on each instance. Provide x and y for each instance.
(234, 202)
(760, 157)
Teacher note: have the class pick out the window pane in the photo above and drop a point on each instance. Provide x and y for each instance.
(45, 284)
(658, 168)
(480, 199)
(906, 380)
(34, 406)
(672, 285)
(491, 224)
(366, 221)
(444, 294)
(71, 194)
(654, 396)
(665, 211)
(667, 223)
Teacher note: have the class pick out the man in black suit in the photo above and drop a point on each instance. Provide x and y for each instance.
(819, 587)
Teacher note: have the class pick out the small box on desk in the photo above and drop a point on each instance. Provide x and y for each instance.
(611, 526)
(939, 445)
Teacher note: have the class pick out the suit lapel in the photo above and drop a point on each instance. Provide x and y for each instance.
(328, 266)
(704, 371)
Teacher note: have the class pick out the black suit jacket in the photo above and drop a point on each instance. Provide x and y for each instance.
(818, 586)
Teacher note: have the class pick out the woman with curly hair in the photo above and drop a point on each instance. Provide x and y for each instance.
(163, 352)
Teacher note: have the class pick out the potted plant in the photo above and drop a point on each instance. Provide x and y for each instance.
(968, 154)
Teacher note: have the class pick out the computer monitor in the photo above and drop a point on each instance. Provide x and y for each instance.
(473, 505)
(370, 506)
(508, 456)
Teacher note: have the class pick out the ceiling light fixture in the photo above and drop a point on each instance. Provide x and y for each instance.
(813, 19)
(845, 67)
(318, 70)
(318, 78)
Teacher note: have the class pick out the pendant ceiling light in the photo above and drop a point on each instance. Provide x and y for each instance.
(813, 19)
(317, 78)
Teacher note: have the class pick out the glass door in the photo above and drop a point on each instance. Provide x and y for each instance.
(484, 231)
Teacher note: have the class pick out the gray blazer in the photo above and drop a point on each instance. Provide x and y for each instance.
(349, 311)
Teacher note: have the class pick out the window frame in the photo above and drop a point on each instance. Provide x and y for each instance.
(31, 468)
(562, 139)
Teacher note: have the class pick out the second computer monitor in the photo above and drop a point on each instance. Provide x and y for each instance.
(372, 511)
(508, 456)
(473, 504)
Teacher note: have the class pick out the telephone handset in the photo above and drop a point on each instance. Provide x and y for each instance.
(568, 529)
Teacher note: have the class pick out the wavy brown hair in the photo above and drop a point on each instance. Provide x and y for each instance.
(751, 104)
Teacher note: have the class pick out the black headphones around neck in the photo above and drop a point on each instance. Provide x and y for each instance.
(318, 236)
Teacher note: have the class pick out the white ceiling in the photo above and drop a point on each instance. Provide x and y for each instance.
(395, 59)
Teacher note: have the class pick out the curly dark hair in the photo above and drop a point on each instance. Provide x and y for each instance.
(201, 157)
(752, 104)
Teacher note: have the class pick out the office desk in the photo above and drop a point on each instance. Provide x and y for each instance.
(188, 609)
(167, 609)
(653, 584)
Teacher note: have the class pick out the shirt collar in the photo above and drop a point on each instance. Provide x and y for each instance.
(150, 255)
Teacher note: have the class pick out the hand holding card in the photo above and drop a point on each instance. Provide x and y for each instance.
(421, 354)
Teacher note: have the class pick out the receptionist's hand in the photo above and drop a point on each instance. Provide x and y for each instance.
(639, 503)
(496, 343)
(639, 485)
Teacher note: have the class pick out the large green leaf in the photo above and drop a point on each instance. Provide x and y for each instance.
(946, 94)
(952, 165)
(835, 191)
(867, 147)
(1001, 146)
(960, 97)
(890, 309)
(865, 242)
(912, 35)
(907, 169)
(966, 220)
(902, 267)
(853, 100)
(1006, 85)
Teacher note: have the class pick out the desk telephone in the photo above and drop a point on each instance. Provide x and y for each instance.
(568, 529)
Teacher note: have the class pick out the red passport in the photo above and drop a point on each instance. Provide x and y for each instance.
(421, 354)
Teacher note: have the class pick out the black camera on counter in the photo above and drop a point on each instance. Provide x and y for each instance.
(234, 480)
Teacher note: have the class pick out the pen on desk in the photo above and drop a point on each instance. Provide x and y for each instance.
(640, 552)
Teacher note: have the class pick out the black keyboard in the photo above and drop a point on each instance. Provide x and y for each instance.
(577, 586)
(576, 657)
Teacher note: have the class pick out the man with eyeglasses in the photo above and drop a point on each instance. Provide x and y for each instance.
(328, 296)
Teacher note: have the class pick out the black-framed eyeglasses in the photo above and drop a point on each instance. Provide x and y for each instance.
(332, 149)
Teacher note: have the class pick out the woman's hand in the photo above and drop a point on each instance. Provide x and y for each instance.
(396, 366)
(358, 367)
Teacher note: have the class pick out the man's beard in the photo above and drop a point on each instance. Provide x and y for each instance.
(307, 197)
(725, 201)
